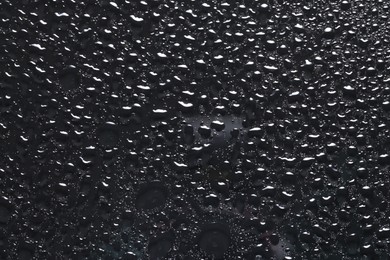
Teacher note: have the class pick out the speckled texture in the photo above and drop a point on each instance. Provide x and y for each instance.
(194, 129)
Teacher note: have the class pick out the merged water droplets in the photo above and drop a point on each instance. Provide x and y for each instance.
(150, 196)
(214, 241)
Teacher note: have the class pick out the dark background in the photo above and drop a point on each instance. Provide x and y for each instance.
(194, 129)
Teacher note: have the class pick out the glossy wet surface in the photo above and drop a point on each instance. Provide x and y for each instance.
(194, 129)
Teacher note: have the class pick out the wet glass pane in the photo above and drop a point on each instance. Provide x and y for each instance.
(186, 129)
